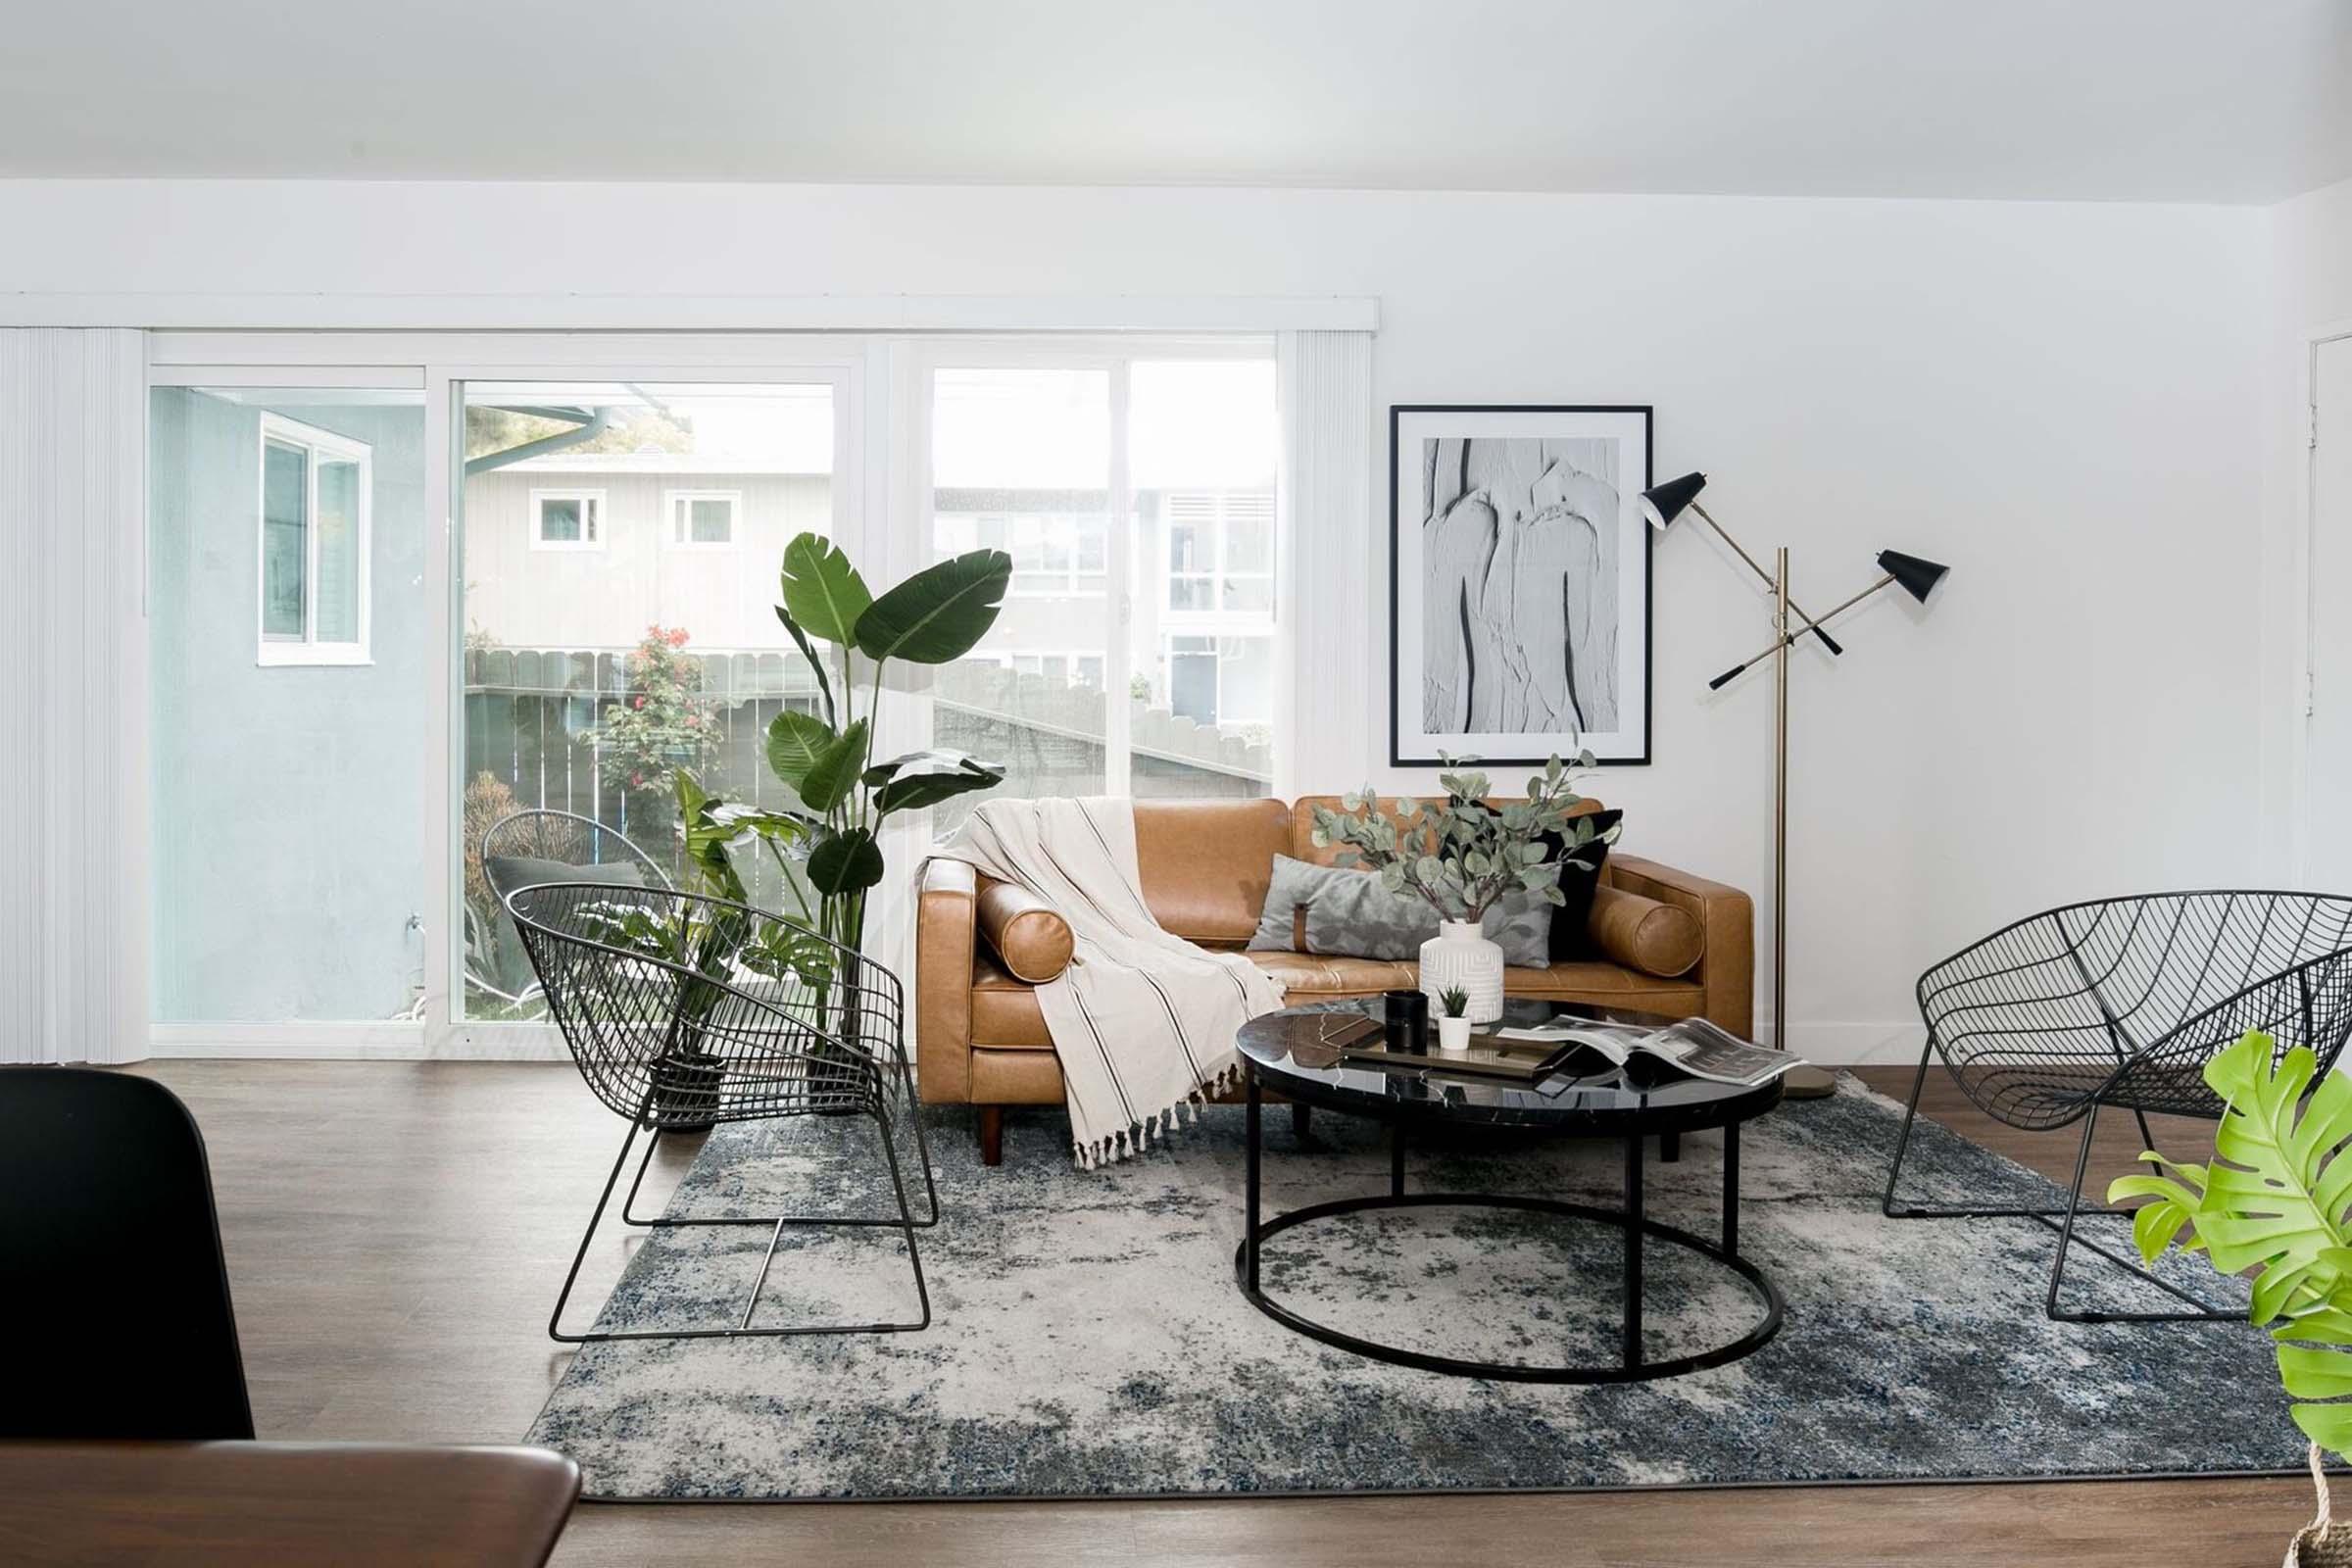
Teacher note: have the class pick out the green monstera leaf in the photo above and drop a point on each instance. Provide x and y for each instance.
(822, 592)
(2273, 1202)
(794, 742)
(920, 779)
(844, 862)
(800, 640)
(940, 614)
(834, 771)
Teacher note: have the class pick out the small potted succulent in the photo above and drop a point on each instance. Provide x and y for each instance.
(1453, 1019)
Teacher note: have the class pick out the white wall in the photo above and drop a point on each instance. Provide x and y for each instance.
(2063, 401)
(2310, 290)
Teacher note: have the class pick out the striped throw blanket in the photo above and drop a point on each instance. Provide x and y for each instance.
(1144, 1021)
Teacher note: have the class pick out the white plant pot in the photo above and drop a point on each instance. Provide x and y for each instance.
(1453, 1034)
(1459, 954)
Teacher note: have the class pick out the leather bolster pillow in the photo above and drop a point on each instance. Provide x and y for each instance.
(1657, 939)
(1030, 939)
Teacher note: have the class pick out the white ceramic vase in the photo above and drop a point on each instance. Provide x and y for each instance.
(1453, 1034)
(1460, 954)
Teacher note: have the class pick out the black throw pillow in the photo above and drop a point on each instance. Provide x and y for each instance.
(1568, 921)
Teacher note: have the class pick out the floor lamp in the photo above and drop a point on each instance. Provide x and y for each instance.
(1660, 505)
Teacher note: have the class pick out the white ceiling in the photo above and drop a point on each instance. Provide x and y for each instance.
(2191, 100)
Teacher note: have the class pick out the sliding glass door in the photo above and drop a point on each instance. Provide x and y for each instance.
(621, 542)
(405, 587)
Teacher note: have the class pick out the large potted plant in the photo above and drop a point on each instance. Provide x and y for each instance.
(2274, 1203)
(1464, 858)
(830, 846)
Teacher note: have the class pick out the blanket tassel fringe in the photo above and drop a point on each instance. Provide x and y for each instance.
(1118, 1145)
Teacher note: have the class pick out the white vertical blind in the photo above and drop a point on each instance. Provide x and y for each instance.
(1335, 550)
(73, 889)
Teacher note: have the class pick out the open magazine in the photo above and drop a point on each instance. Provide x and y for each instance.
(1690, 1046)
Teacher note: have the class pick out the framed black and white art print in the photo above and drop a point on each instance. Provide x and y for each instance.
(1518, 583)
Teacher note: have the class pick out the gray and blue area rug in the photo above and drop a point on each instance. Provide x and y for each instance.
(1090, 1341)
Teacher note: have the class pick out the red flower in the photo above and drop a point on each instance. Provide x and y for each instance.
(636, 781)
(678, 639)
(639, 703)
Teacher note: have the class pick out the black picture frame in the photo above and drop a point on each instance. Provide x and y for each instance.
(1618, 756)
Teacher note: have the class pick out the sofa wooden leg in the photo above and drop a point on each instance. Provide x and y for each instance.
(992, 1135)
(1300, 1112)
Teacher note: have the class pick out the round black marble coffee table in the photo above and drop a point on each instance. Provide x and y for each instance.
(1285, 1052)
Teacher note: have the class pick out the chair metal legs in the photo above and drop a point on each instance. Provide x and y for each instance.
(905, 1222)
(2060, 1220)
(922, 1150)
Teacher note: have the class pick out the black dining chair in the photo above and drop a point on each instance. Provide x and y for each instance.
(115, 1313)
(2118, 1005)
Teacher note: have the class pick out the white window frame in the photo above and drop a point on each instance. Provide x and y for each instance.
(586, 497)
(676, 505)
(1216, 636)
(1218, 573)
(275, 652)
(1115, 356)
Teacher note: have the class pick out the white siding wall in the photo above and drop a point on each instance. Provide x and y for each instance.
(606, 598)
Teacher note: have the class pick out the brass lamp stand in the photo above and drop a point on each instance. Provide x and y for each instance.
(1916, 577)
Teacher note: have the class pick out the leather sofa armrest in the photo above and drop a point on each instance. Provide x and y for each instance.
(946, 914)
(1028, 935)
(1727, 965)
(1644, 934)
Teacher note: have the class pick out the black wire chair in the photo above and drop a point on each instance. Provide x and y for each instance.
(683, 1010)
(548, 837)
(2119, 1004)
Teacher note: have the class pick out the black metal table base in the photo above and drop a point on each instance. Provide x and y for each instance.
(1631, 1366)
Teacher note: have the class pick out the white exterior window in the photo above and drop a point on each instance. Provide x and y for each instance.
(1220, 552)
(311, 566)
(568, 519)
(1221, 681)
(702, 520)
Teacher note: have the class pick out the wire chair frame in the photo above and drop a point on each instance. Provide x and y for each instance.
(567, 838)
(2117, 1003)
(543, 833)
(684, 1009)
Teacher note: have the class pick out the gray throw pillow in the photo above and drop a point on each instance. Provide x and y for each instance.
(1351, 915)
(507, 873)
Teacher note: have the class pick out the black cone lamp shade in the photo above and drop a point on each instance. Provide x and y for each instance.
(1914, 576)
(1662, 503)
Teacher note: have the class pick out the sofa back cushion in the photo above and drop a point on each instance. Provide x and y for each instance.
(1205, 865)
(1302, 820)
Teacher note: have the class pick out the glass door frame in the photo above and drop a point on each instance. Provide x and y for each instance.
(440, 365)
(1115, 356)
(881, 506)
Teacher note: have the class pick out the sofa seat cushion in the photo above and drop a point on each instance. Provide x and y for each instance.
(1004, 1012)
(1609, 984)
(1306, 975)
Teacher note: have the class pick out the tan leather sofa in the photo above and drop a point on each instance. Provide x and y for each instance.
(1665, 941)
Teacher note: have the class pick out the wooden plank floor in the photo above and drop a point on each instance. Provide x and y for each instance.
(396, 1232)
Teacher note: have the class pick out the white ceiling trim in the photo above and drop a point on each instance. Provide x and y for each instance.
(591, 313)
